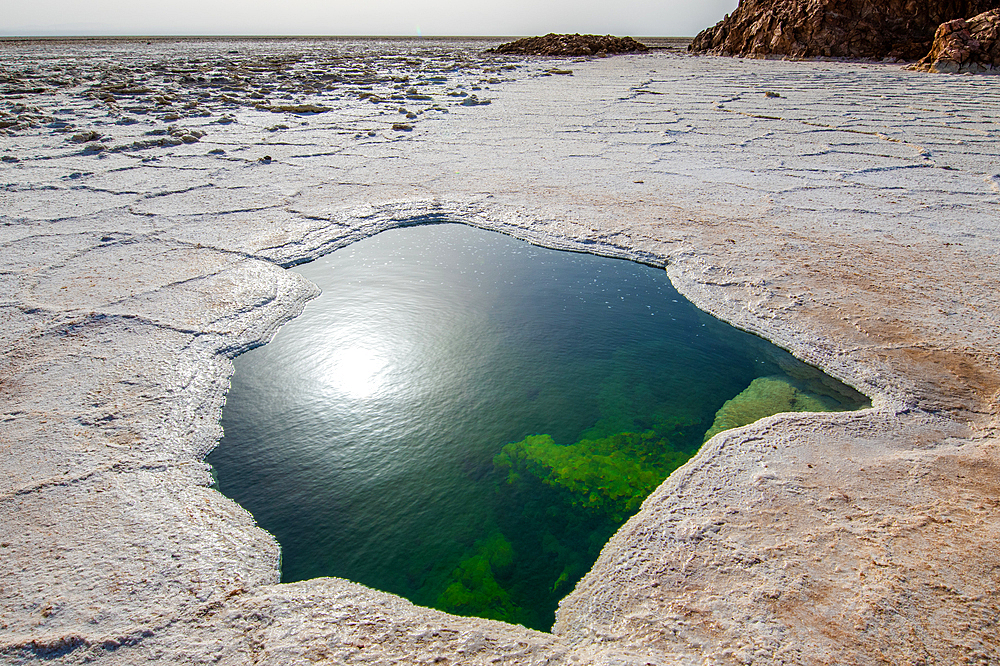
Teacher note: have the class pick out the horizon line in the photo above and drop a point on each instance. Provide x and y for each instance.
(164, 37)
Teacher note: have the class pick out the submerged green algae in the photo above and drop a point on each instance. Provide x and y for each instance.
(595, 484)
(473, 588)
(610, 475)
(767, 396)
(577, 495)
(574, 496)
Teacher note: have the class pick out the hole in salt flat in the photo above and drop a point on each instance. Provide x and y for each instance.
(464, 419)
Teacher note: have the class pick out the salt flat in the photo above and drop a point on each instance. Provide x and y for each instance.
(849, 212)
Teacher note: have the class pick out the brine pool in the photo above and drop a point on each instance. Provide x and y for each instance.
(464, 419)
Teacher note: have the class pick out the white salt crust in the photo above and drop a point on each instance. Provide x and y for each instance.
(853, 219)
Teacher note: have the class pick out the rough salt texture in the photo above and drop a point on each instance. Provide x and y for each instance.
(846, 211)
(965, 46)
(571, 45)
(875, 29)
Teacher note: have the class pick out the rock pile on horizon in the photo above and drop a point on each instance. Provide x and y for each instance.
(900, 29)
(965, 45)
(571, 45)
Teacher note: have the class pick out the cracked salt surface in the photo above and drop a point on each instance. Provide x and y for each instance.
(853, 220)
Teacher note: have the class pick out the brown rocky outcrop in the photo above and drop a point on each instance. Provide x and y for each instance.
(965, 45)
(876, 29)
(571, 45)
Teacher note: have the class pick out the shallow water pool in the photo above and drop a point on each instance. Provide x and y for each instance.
(464, 419)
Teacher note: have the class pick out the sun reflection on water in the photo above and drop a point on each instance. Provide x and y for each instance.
(356, 370)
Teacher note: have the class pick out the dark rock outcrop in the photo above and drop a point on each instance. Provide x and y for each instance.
(571, 45)
(965, 45)
(876, 29)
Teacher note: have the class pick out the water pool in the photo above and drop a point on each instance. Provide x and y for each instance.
(464, 419)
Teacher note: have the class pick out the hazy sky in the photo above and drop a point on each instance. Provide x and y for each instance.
(359, 17)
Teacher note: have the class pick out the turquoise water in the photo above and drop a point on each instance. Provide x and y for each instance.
(464, 419)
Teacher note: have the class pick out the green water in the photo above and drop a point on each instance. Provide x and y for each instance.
(464, 419)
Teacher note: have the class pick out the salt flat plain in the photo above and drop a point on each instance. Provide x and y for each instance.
(850, 212)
